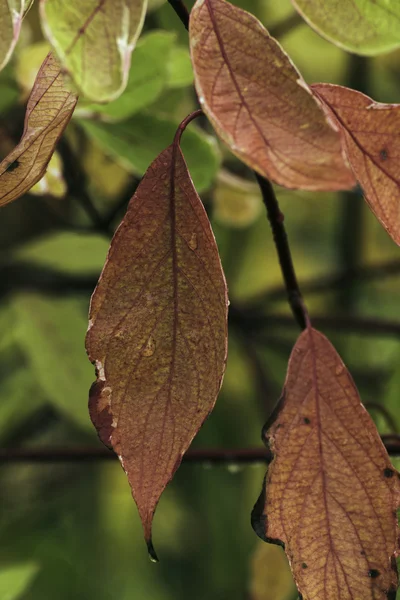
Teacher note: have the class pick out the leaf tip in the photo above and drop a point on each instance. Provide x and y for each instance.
(152, 553)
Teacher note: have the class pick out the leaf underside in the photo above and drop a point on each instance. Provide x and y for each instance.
(258, 102)
(50, 107)
(331, 493)
(158, 331)
(365, 27)
(371, 133)
(94, 39)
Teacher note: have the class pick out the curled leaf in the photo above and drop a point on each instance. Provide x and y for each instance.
(258, 102)
(368, 27)
(331, 493)
(94, 40)
(371, 132)
(50, 107)
(157, 331)
(11, 15)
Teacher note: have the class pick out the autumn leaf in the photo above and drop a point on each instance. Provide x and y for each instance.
(11, 15)
(158, 331)
(371, 131)
(258, 102)
(94, 40)
(369, 27)
(50, 107)
(331, 493)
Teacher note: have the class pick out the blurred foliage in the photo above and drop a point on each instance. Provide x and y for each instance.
(71, 530)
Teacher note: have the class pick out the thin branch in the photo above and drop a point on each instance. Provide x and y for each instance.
(276, 219)
(212, 456)
(349, 323)
(181, 11)
(286, 25)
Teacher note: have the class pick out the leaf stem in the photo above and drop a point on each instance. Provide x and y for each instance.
(276, 219)
(184, 124)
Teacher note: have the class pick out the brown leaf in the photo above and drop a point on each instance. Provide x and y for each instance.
(158, 331)
(331, 493)
(50, 107)
(258, 102)
(371, 133)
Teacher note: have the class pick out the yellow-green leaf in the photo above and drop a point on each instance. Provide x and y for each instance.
(94, 40)
(11, 15)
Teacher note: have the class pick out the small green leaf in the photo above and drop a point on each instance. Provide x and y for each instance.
(11, 15)
(180, 70)
(94, 40)
(51, 333)
(16, 579)
(67, 251)
(147, 77)
(137, 141)
(362, 26)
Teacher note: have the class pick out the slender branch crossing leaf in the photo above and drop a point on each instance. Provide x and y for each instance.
(50, 107)
(361, 26)
(11, 15)
(158, 331)
(94, 40)
(331, 493)
(258, 102)
(371, 133)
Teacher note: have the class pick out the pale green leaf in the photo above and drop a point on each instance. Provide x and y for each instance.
(94, 40)
(361, 26)
(51, 332)
(67, 251)
(137, 141)
(147, 77)
(180, 70)
(16, 579)
(11, 15)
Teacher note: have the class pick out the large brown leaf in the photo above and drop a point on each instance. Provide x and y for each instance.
(331, 493)
(371, 133)
(158, 331)
(50, 107)
(258, 102)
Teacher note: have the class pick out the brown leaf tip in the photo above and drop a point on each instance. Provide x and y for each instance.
(152, 553)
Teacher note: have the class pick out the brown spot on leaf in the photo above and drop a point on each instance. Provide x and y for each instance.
(373, 573)
(306, 420)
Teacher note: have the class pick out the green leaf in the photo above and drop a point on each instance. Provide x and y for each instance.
(362, 26)
(147, 77)
(51, 332)
(67, 251)
(9, 92)
(11, 15)
(94, 40)
(180, 70)
(16, 579)
(137, 141)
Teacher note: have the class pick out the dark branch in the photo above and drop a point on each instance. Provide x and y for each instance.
(211, 455)
(181, 11)
(276, 219)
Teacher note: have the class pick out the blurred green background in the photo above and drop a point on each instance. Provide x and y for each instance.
(71, 530)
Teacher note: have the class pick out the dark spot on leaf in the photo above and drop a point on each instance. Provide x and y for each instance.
(373, 573)
(306, 420)
(388, 473)
(383, 155)
(12, 166)
(362, 552)
(304, 565)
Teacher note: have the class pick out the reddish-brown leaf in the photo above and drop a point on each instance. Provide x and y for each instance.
(331, 493)
(158, 331)
(371, 133)
(50, 107)
(258, 102)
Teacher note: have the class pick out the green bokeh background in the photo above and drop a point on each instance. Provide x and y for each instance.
(71, 530)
